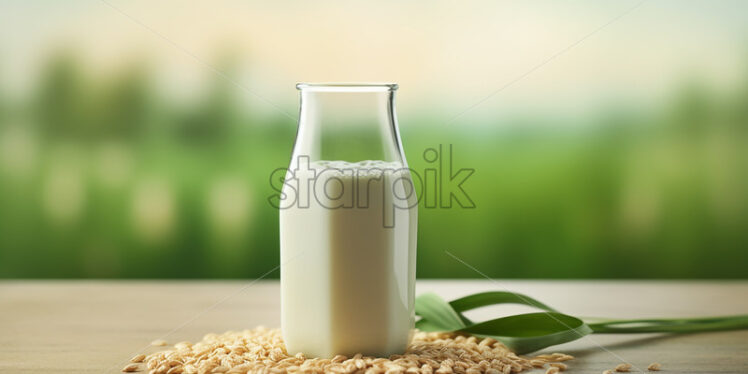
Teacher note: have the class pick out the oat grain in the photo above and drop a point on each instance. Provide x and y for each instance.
(130, 368)
(262, 350)
(623, 368)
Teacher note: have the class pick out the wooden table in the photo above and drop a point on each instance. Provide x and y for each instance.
(96, 326)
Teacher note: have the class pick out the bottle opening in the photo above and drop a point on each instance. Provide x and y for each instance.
(347, 87)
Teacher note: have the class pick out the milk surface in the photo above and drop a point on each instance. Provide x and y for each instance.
(348, 260)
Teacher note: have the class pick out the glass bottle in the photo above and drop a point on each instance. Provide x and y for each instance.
(348, 223)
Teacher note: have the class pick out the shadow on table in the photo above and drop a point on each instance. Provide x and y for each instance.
(634, 341)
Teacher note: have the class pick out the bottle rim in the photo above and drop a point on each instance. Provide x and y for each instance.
(347, 87)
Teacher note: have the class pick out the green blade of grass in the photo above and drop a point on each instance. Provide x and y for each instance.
(676, 325)
(496, 297)
(438, 313)
(524, 333)
(530, 332)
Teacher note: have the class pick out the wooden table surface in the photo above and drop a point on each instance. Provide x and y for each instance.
(96, 326)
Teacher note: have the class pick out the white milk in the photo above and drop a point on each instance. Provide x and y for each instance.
(347, 280)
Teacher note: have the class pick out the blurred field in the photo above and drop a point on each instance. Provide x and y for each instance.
(106, 178)
(129, 149)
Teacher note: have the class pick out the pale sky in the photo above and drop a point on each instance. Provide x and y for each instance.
(445, 55)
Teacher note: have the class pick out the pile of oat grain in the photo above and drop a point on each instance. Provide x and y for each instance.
(262, 350)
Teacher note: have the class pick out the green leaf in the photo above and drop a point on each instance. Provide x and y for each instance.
(677, 325)
(496, 297)
(438, 313)
(424, 325)
(530, 332)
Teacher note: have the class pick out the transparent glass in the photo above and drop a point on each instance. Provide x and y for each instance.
(348, 224)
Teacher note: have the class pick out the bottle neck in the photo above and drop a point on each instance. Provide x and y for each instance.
(348, 125)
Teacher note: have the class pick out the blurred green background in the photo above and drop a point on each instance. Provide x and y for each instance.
(132, 151)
